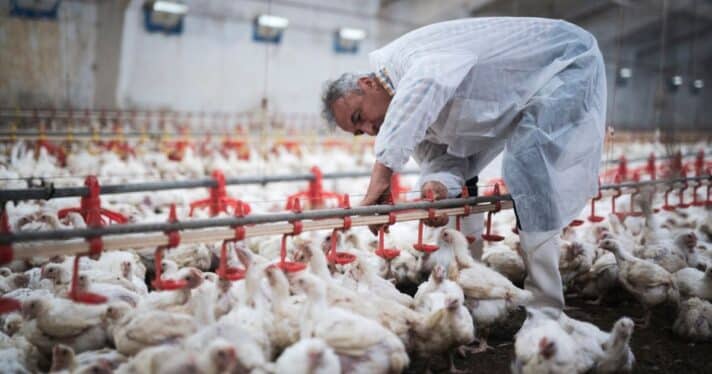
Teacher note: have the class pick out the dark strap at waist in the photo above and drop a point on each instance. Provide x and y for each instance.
(471, 185)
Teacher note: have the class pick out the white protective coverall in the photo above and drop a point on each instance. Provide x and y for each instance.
(467, 89)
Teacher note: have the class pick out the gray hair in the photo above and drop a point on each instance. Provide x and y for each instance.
(335, 89)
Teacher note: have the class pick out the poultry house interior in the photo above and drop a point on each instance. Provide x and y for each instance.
(177, 194)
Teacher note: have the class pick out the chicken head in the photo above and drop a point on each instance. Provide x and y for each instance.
(62, 359)
(192, 276)
(55, 272)
(31, 308)
(12, 324)
(222, 356)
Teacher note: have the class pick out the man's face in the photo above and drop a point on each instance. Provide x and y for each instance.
(362, 113)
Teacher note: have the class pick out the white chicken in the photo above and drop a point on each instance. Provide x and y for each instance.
(64, 360)
(202, 302)
(363, 345)
(35, 280)
(694, 283)
(444, 256)
(705, 227)
(596, 346)
(700, 257)
(78, 328)
(694, 320)
(602, 277)
(133, 330)
(62, 318)
(151, 359)
(18, 355)
(655, 243)
(248, 353)
(407, 267)
(670, 254)
(489, 295)
(505, 261)
(197, 256)
(576, 259)
(220, 356)
(174, 298)
(649, 283)
(543, 346)
(366, 276)
(308, 356)
(447, 323)
(617, 355)
(128, 264)
(11, 323)
(111, 291)
(60, 274)
(284, 320)
(13, 282)
(252, 312)
(391, 314)
(135, 277)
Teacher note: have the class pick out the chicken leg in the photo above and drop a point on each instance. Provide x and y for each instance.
(481, 346)
(389, 271)
(453, 369)
(597, 301)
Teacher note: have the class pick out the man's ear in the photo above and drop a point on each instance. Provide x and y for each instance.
(366, 83)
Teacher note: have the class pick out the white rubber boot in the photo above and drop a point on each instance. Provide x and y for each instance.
(541, 258)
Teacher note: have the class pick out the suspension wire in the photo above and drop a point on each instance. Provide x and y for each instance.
(674, 97)
(264, 103)
(610, 128)
(693, 64)
(659, 99)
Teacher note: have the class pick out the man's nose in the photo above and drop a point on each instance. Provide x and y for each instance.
(369, 128)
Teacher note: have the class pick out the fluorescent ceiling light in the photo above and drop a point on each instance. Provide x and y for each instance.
(626, 73)
(698, 84)
(170, 7)
(351, 34)
(677, 80)
(266, 20)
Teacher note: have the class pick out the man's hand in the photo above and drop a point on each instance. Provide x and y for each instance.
(379, 189)
(439, 192)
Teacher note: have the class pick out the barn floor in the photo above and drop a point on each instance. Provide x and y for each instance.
(656, 349)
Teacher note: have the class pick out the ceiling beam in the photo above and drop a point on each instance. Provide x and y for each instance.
(424, 12)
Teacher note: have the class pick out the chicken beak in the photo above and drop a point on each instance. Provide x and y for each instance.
(232, 353)
(546, 348)
(314, 358)
(452, 304)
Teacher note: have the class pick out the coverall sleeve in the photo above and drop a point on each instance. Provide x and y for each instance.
(421, 94)
(437, 165)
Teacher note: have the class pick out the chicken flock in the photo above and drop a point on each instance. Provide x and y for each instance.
(329, 318)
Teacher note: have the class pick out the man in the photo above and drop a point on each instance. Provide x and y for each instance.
(455, 94)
